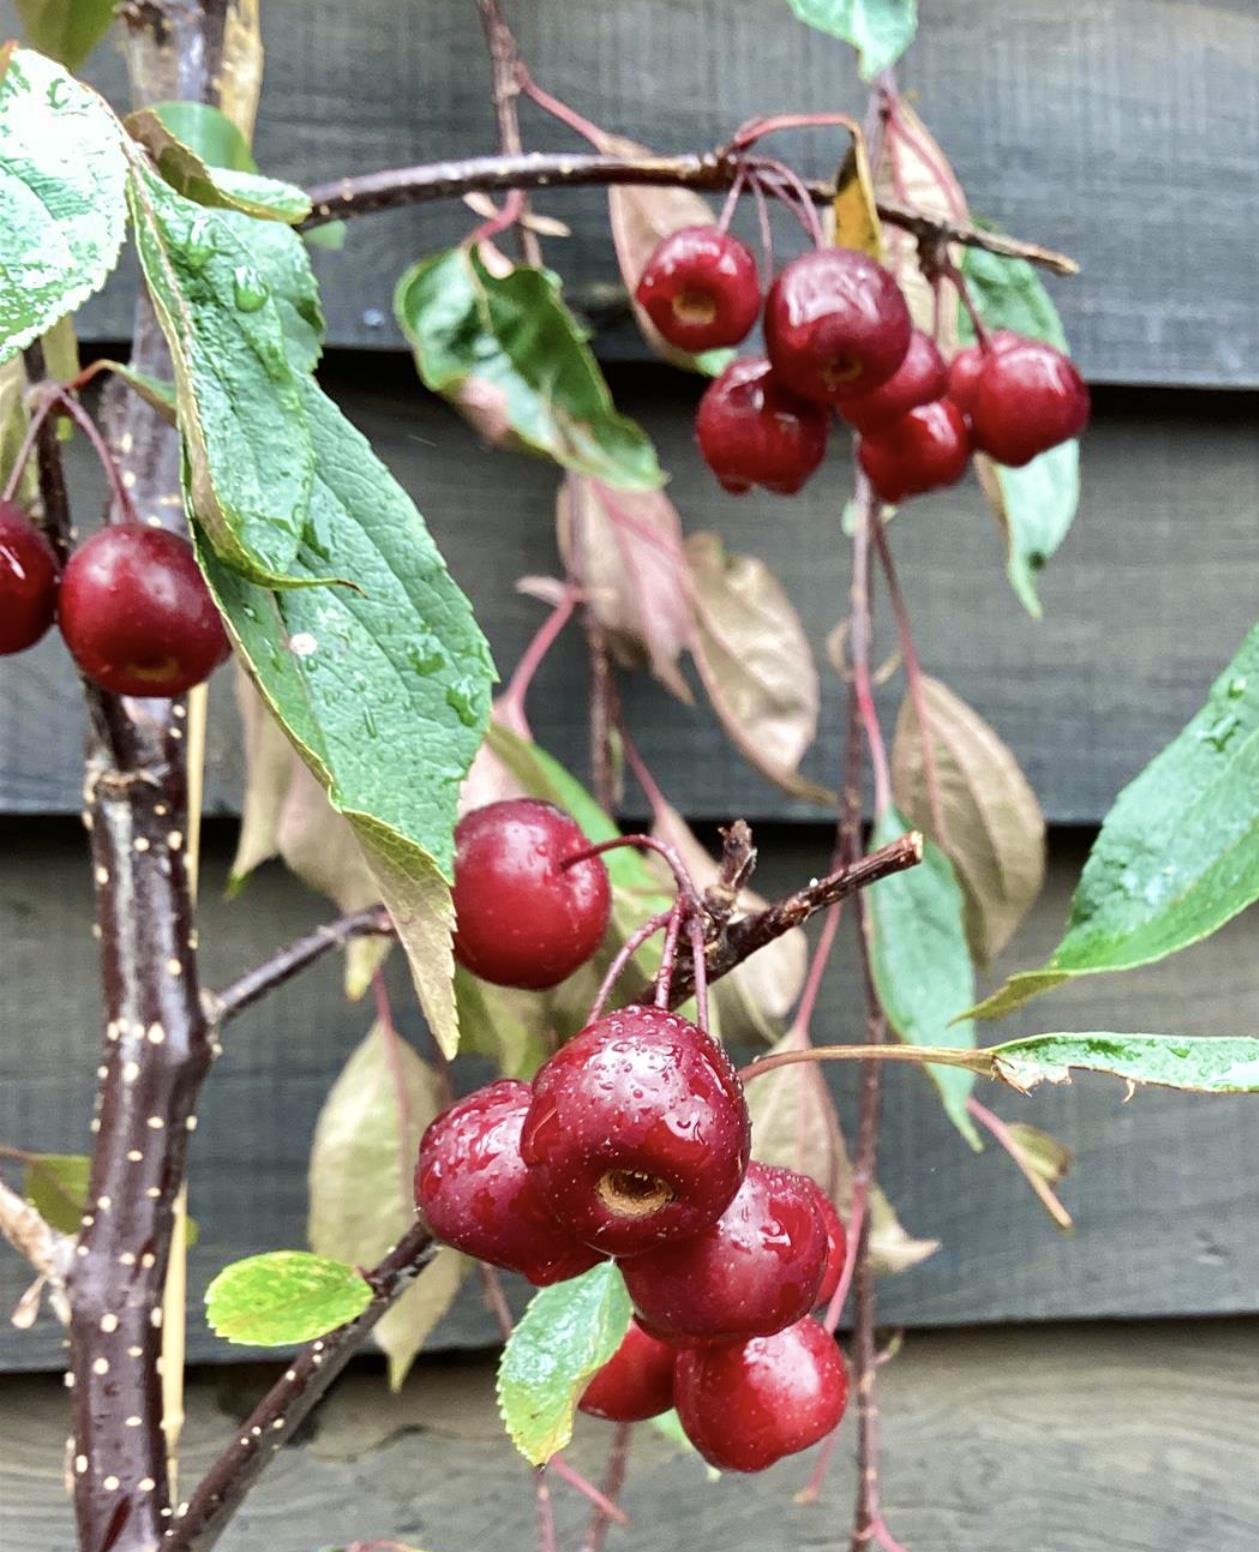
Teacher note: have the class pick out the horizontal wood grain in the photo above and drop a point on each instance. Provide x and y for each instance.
(1163, 1188)
(1148, 598)
(1122, 131)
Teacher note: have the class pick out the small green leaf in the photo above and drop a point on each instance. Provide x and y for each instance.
(284, 1297)
(513, 335)
(62, 200)
(1178, 854)
(220, 187)
(1202, 1064)
(331, 235)
(66, 30)
(209, 132)
(155, 392)
(567, 1333)
(880, 30)
(383, 687)
(1009, 295)
(247, 445)
(56, 1183)
(921, 964)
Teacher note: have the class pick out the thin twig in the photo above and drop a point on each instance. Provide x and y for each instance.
(504, 58)
(374, 921)
(1002, 1135)
(613, 1482)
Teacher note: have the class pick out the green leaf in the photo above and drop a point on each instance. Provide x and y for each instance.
(1203, 1064)
(155, 392)
(56, 1184)
(62, 200)
(880, 30)
(219, 187)
(1178, 854)
(921, 963)
(247, 446)
(1035, 505)
(513, 336)
(283, 262)
(567, 1333)
(331, 235)
(284, 1297)
(511, 1027)
(209, 132)
(65, 30)
(383, 687)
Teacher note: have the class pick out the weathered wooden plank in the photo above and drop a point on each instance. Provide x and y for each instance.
(1084, 126)
(1163, 1193)
(1148, 599)
(1070, 1438)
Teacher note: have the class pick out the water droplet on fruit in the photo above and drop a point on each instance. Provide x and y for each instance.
(249, 289)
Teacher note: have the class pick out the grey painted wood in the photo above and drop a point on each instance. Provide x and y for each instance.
(1148, 598)
(1124, 131)
(1066, 1438)
(1163, 1192)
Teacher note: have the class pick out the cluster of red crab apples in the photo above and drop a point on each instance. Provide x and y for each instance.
(839, 339)
(130, 602)
(633, 1143)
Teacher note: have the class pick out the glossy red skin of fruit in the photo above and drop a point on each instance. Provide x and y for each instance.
(926, 449)
(753, 1272)
(1030, 398)
(638, 1131)
(745, 1405)
(700, 288)
(636, 1382)
(475, 1193)
(751, 431)
(28, 581)
(136, 614)
(965, 367)
(836, 324)
(921, 377)
(836, 1244)
(521, 917)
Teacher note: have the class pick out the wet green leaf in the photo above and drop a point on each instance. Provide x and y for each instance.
(219, 187)
(1202, 1064)
(284, 1297)
(880, 30)
(65, 30)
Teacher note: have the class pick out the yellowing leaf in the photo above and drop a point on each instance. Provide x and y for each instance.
(854, 209)
(994, 831)
(754, 660)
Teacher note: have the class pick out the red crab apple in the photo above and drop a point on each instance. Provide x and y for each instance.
(700, 288)
(635, 1383)
(921, 377)
(752, 432)
(1030, 398)
(925, 449)
(28, 581)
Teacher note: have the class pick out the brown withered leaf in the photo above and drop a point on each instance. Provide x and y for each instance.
(625, 549)
(1043, 1153)
(361, 1196)
(994, 831)
(640, 218)
(913, 170)
(795, 1126)
(854, 211)
(754, 999)
(269, 763)
(755, 663)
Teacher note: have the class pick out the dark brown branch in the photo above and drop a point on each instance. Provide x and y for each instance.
(284, 965)
(504, 59)
(738, 859)
(198, 1525)
(603, 713)
(710, 172)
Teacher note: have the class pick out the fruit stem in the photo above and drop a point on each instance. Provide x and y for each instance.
(47, 403)
(953, 273)
(755, 129)
(558, 109)
(546, 1512)
(686, 884)
(867, 516)
(732, 199)
(787, 185)
(89, 428)
(613, 1482)
(626, 952)
(511, 212)
(698, 952)
(664, 976)
(512, 700)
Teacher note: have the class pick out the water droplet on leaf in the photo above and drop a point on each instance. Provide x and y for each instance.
(461, 698)
(249, 289)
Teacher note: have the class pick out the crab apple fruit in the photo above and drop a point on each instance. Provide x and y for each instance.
(521, 917)
(472, 1186)
(754, 1271)
(836, 324)
(751, 431)
(136, 613)
(636, 1382)
(836, 1243)
(744, 1405)
(921, 377)
(700, 288)
(1029, 398)
(28, 581)
(966, 366)
(926, 449)
(638, 1131)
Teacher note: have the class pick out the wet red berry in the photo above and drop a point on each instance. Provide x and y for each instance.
(472, 1186)
(1030, 398)
(638, 1131)
(924, 450)
(965, 367)
(700, 288)
(747, 1404)
(751, 431)
(136, 614)
(921, 377)
(754, 1271)
(521, 917)
(28, 581)
(836, 1244)
(835, 324)
(635, 1383)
